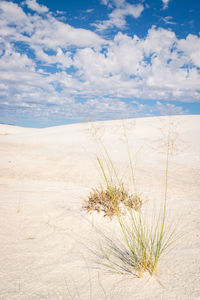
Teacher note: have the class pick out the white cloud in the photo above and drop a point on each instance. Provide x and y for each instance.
(48, 32)
(117, 17)
(158, 66)
(134, 10)
(191, 47)
(11, 13)
(168, 20)
(33, 5)
(52, 33)
(119, 3)
(89, 10)
(112, 3)
(165, 3)
(104, 2)
(168, 109)
(151, 68)
(12, 60)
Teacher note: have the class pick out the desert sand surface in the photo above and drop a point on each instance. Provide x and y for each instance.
(47, 236)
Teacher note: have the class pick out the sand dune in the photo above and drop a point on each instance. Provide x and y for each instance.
(45, 233)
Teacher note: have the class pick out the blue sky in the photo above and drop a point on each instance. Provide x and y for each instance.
(69, 61)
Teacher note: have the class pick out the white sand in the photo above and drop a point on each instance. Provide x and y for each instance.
(45, 234)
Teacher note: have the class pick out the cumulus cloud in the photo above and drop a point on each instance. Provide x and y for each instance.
(12, 60)
(11, 13)
(168, 109)
(52, 68)
(33, 5)
(117, 18)
(152, 68)
(48, 32)
(190, 46)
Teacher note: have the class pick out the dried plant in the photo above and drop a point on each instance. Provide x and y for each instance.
(114, 197)
(111, 201)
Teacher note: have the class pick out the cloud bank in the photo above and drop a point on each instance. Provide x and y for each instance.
(54, 69)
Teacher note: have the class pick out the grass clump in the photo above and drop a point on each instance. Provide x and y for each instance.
(144, 238)
(141, 244)
(111, 201)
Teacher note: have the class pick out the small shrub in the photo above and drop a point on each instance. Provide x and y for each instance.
(111, 201)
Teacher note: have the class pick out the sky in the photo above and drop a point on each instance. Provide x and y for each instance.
(71, 61)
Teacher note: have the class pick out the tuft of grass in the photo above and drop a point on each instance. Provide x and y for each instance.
(141, 245)
(144, 240)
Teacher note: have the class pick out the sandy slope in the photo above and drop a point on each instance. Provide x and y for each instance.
(45, 234)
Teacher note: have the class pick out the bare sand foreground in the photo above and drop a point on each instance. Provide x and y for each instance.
(46, 235)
